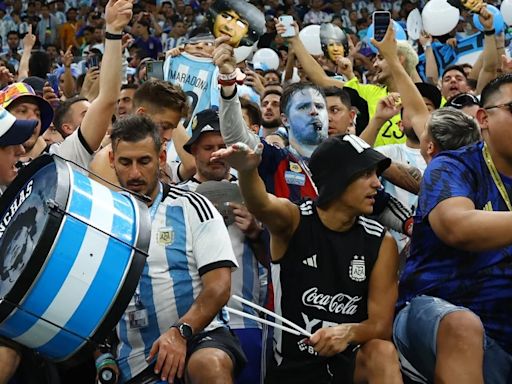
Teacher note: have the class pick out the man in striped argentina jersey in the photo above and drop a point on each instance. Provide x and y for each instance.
(176, 317)
(245, 233)
(193, 70)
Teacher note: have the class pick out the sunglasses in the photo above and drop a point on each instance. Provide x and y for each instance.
(506, 105)
(463, 100)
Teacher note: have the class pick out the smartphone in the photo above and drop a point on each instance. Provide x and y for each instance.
(155, 69)
(92, 62)
(287, 21)
(53, 80)
(381, 20)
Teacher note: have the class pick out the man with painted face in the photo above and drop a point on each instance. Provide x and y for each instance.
(238, 19)
(303, 113)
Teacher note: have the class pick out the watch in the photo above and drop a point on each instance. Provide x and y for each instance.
(185, 330)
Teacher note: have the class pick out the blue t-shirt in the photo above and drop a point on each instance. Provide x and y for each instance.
(152, 46)
(480, 281)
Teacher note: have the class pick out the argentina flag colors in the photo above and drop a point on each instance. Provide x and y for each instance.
(88, 277)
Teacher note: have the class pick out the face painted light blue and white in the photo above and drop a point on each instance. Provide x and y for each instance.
(308, 120)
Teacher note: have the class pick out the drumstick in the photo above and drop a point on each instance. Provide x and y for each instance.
(263, 321)
(264, 310)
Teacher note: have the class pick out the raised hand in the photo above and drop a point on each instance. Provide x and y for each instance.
(387, 46)
(388, 106)
(67, 57)
(486, 18)
(224, 55)
(281, 28)
(29, 39)
(118, 14)
(240, 156)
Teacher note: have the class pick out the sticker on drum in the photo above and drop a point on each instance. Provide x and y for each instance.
(25, 221)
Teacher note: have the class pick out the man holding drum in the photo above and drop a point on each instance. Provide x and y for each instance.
(175, 324)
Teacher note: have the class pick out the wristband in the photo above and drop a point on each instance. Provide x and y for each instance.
(231, 76)
(490, 32)
(427, 45)
(113, 36)
(226, 82)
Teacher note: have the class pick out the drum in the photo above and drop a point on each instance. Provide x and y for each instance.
(71, 255)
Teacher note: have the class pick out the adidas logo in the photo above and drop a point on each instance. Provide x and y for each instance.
(310, 261)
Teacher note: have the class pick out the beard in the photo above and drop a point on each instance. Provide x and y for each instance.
(411, 135)
(274, 123)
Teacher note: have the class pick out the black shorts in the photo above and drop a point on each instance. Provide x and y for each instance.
(337, 369)
(221, 338)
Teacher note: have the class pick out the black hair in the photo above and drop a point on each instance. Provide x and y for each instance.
(39, 64)
(253, 111)
(130, 86)
(246, 11)
(61, 113)
(493, 87)
(340, 93)
(455, 67)
(292, 89)
(133, 129)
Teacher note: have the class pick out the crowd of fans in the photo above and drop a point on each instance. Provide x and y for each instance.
(354, 145)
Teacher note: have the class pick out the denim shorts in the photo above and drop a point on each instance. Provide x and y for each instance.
(415, 336)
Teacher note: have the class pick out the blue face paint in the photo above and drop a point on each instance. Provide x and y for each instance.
(308, 120)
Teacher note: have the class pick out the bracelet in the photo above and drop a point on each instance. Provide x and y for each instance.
(231, 76)
(490, 32)
(113, 36)
(427, 45)
(502, 47)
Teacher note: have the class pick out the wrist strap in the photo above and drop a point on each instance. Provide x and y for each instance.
(490, 32)
(113, 36)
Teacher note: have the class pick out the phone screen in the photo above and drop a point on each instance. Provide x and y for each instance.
(381, 20)
(93, 61)
(53, 80)
(155, 69)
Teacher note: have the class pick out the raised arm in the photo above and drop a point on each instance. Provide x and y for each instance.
(28, 43)
(431, 70)
(118, 13)
(68, 87)
(410, 95)
(313, 70)
(489, 54)
(232, 124)
(279, 215)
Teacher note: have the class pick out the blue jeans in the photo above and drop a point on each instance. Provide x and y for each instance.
(415, 336)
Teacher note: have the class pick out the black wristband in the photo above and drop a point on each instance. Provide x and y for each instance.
(113, 36)
(490, 32)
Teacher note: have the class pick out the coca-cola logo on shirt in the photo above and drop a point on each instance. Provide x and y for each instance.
(338, 303)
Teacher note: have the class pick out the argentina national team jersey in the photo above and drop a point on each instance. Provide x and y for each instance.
(247, 279)
(480, 281)
(188, 239)
(197, 76)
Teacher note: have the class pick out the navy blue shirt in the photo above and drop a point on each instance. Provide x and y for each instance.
(480, 281)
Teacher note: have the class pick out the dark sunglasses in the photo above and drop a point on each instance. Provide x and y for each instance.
(462, 100)
(506, 105)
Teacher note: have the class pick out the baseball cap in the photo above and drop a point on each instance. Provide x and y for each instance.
(430, 92)
(337, 160)
(16, 90)
(14, 131)
(204, 122)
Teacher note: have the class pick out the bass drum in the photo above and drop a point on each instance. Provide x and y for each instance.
(71, 255)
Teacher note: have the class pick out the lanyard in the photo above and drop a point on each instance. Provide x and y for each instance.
(496, 176)
(156, 202)
(152, 212)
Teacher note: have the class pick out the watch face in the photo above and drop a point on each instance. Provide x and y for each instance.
(186, 331)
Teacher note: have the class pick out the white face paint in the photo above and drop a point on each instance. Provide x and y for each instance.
(308, 120)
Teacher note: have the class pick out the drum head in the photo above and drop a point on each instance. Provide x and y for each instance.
(25, 233)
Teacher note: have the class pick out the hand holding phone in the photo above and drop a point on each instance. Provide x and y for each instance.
(155, 69)
(287, 21)
(53, 80)
(381, 20)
